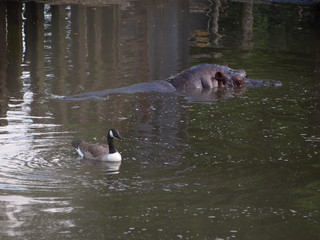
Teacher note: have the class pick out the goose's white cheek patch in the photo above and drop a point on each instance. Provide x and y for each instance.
(111, 134)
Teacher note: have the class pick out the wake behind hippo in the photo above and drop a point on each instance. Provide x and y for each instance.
(199, 77)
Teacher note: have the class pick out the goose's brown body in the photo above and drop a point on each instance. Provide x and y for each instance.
(99, 152)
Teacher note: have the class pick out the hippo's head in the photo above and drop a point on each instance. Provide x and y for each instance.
(207, 76)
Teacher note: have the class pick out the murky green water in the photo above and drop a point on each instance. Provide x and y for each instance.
(221, 165)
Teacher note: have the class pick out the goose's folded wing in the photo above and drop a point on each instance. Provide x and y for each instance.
(94, 150)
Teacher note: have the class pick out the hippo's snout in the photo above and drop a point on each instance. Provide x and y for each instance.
(238, 77)
(238, 81)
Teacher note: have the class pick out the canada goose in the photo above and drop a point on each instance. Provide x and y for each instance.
(100, 152)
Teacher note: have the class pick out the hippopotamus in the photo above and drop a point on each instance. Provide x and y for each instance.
(207, 76)
(198, 77)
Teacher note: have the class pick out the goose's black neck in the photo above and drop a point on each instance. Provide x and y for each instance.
(112, 148)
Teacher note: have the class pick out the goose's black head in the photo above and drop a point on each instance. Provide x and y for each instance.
(113, 133)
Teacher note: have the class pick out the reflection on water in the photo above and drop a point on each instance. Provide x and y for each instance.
(109, 167)
(244, 166)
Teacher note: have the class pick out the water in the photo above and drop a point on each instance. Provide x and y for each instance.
(221, 165)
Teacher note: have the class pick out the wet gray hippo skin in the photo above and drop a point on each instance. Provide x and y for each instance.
(199, 77)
